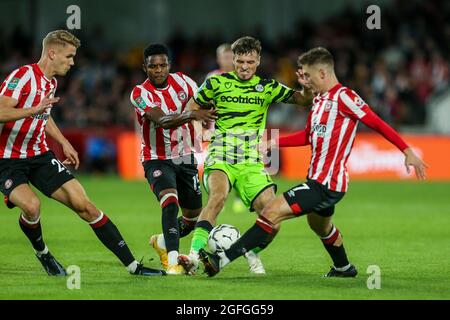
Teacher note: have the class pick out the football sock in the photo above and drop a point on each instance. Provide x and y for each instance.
(335, 248)
(170, 226)
(33, 231)
(200, 238)
(40, 253)
(257, 250)
(172, 257)
(186, 225)
(110, 236)
(256, 236)
(132, 266)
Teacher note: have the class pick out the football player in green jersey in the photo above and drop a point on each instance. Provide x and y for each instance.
(241, 99)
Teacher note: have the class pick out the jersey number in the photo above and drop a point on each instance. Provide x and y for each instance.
(61, 167)
(196, 182)
(302, 187)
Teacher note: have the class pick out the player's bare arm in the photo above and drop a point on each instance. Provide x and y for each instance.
(411, 159)
(167, 121)
(71, 154)
(9, 112)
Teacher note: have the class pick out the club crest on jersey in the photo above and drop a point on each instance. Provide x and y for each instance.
(157, 173)
(13, 83)
(358, 101)
(228, 85)
(182, 96)
(8, 184)
(140, 102)
(259, 87)
(328, 105)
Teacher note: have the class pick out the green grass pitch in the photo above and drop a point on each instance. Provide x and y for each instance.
(402, 227)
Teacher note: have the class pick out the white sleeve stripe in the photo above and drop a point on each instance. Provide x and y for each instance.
(26, 77)
(191, 83)
(8, 80)
(352, 106)
(11, 76)
(146, 97)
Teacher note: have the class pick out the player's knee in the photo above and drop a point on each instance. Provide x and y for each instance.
(217, 201)
(79, 204)
(87, 211)
(276, 228)
(270, 212)
(320, 230)
(84, 208)
(32, 209)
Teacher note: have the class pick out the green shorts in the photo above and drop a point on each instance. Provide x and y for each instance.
(249, 179)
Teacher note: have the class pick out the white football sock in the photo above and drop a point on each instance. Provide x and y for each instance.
(40, 253)
(131, 268)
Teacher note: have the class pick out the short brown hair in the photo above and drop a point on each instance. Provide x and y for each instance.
(246, 45)
(61, 37)
(316, 56)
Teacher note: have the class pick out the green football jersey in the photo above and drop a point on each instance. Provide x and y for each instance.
(242, 110)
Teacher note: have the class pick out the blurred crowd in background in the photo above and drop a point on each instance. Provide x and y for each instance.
(395, 69)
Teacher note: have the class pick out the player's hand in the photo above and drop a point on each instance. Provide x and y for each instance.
(301, 79)
(45, 104)
(412, 160)
(71, 154)
(204, 115)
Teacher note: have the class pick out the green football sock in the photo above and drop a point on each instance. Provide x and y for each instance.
(200, 239)
(256, 250)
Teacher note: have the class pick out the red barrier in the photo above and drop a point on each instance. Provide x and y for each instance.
(374, 158)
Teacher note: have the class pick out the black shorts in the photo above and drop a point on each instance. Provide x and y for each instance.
(169, 174)
(312, 196)
(44, 171)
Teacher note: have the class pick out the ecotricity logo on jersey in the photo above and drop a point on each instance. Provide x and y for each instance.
(241, 99)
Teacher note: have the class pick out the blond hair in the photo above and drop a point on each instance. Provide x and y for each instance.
(60, 37)
(223, 48)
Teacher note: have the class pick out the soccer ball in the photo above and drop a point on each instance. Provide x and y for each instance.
(222, 237)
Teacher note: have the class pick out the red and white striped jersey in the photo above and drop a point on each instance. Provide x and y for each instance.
(25, 138)
(331, 129)
(156, 142)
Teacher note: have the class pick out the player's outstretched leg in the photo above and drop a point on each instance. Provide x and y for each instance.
(199, 241)
(218, 186)
(333, 243)
(185, 226)
(30, 224)
(73, 195)
(259, 235)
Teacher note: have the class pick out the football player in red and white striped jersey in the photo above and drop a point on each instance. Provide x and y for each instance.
(26, 98)
(330, 131)
(168, 143)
